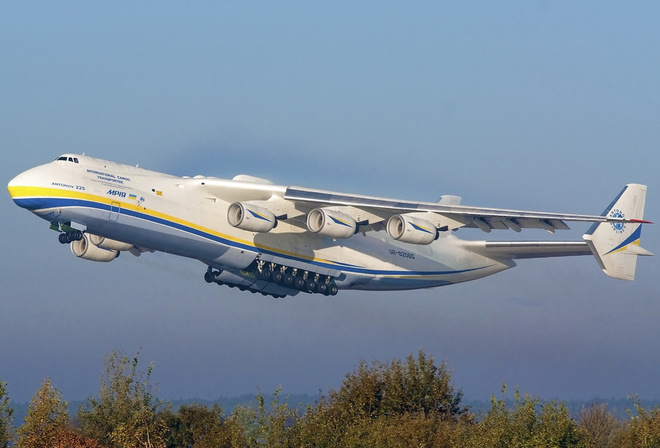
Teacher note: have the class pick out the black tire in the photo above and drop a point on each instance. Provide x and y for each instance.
(288, 279)
(311, 285)
(332, 289)
(277, 276)
(322, 288)
(62, 238)
(208, 277)
(299, 283)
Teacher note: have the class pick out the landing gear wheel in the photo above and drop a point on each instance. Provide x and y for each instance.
(288, 279)
(322, 288)
(76, 235)
(311, 285)
(332, 289)
(209, 277)
(277, 276)
(299, 283)
(264, 275)
(63, 238)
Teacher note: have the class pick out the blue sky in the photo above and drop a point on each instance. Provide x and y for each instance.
(549, 106)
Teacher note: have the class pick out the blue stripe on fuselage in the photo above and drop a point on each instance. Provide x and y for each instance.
(53, 202)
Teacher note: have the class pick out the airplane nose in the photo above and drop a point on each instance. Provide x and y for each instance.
(14, 185)
(21, 190)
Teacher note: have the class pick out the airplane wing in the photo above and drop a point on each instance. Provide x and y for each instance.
(374, 211)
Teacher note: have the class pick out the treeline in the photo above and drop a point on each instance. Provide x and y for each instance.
(411, 403)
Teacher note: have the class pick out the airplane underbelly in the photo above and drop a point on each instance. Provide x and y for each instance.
(368, 262)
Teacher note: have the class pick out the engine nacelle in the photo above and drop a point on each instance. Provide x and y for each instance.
(408, 229)
(85, 249)
(107, 243)
(251, 217)
(331, 223)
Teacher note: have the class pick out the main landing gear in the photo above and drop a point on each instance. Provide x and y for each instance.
(294, 278)
(302, 280)
(211, 276)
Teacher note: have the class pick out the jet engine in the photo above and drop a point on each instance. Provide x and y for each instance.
(107, 243)
(87, 250)
(408, 229)
(246, 216)
(331, 223)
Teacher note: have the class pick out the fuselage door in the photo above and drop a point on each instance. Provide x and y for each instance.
(114, 211)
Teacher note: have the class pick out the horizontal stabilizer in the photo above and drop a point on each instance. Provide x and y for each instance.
(638, 250)
(527, 249)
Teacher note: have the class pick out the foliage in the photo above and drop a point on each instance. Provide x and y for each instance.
(641, 430)
(127, 412)
(272, 425)
(47, 417)
(416, 387)
(395, 404)
(6, 415)
(529, 423)
(198, 426)
(399, 404)
(598, 426)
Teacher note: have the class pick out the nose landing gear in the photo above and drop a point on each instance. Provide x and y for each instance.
(68, 237)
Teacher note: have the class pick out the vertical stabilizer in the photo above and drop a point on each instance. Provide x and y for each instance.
(615, 244)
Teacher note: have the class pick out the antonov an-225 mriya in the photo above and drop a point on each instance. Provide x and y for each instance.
(280, 240)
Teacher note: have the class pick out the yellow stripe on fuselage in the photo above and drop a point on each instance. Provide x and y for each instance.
(25, 192)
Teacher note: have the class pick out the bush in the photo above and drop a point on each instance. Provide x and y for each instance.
(397, 404)
(641, 430)
(528, 423)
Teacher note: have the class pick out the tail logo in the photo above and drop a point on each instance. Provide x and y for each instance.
(619, 227)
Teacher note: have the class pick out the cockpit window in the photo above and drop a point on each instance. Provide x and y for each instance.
(68, 159)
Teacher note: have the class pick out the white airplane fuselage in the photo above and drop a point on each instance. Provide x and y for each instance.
(181, 216)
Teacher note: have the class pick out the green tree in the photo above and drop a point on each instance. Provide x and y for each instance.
(127, 412)
(6, 417)
(396, 404)
(275, 423)
(642, 430)
(198, 426)
(46, 419)
(528, 423)
(266, 425)
(417, 386)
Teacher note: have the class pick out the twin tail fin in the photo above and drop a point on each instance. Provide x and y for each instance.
(615, 242)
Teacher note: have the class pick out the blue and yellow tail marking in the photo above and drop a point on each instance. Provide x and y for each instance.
(632, 239)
